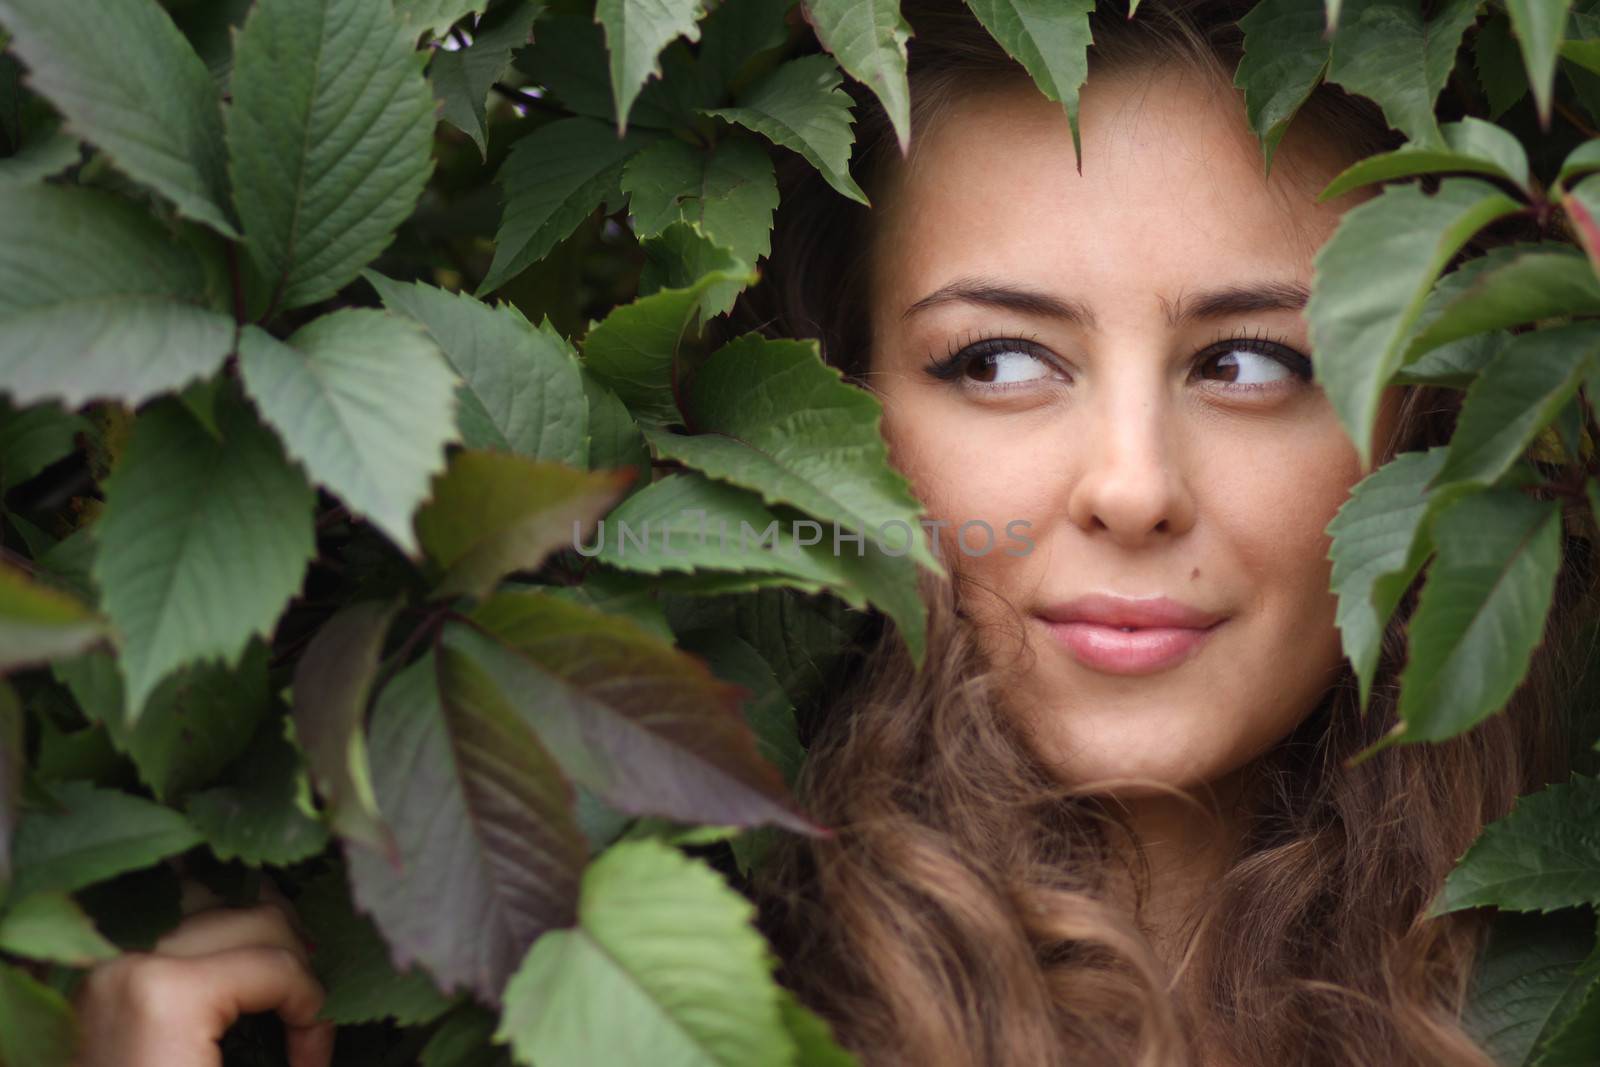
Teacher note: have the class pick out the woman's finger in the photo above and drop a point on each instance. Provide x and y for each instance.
(259, 978)
(220, 929)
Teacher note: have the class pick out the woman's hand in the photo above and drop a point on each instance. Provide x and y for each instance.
(169, 1006)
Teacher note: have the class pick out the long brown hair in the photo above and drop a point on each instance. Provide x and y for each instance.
(961, 913)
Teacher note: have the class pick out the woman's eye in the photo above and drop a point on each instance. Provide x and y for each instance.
(1255, 365)
(1004, 367)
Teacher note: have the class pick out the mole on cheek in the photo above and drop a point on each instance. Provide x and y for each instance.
(1195, 575)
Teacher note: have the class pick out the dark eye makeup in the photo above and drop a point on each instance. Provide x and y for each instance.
(983, 352)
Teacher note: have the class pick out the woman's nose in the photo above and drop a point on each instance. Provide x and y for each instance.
(1132, 484)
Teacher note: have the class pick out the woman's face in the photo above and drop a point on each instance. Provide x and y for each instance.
(1130, 378)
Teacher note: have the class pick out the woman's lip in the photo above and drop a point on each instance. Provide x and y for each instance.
(1146, 650)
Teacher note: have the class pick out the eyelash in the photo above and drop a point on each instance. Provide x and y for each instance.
(950, 366)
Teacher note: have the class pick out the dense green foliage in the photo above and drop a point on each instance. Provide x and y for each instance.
(324, 324)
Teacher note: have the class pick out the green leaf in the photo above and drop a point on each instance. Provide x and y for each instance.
(39, 623)
(868, 38)
(679, 256)
(1532, 972)
(32, 438)
(490, 852)
(636, 32)
(494, 513)
(1380, 542)
(773, 417)
(1581, 160)
(202, 542)
(97, 300)
(51, 926)
(93, 835)
(332, 685)
(1518, 394)
(352, 962)
(154, 109)
(1482, 611)
(1469, 145)
(554, 178)
(1516, 285)
(1544, 855)
(614, 438)
(738, 40)
(37, 1025)
(462, 80)
(813, 1037)
(1576, 1033)
(633, 350)
(465, 1039)
(521, 389)
(41, 157)
(767, 710)
(1385, 51)
(13, 767)
(729, 192)
(1051, 41)
(1285, 55)
(365, 402)
(329, 139)
(1371, 279)
(263, 814)
(194, 724)
(665, 967)
(569, 60)
(1500, 69)
(690, 523)
(1538, 26)
(646, 729)
(435, 17)
(799, 106)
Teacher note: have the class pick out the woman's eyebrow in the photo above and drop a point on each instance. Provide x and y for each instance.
(1207, 304)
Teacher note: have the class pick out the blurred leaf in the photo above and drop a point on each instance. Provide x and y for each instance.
(155, 110)
(37, 1025)
(51, 926)
(1530, 975)
(32, 438)
(435, 17)
(261, 815)
(1537, 26)
(352, 962)
(1499, 63)
(1516, 286)
(39, 624)
(462, 80)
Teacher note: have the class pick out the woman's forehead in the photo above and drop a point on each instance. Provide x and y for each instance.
(1170, 173)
